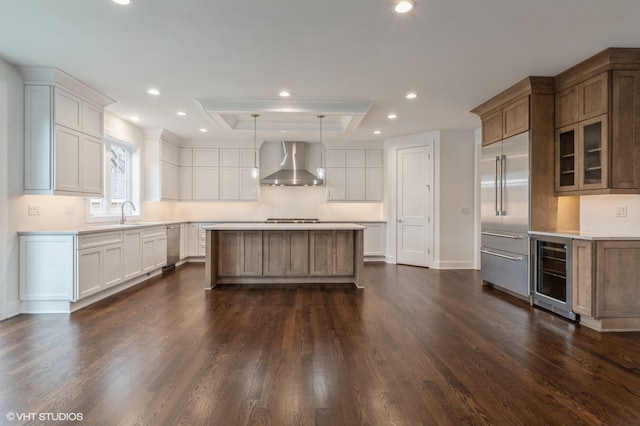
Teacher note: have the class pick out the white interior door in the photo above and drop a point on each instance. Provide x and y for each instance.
(414, 237)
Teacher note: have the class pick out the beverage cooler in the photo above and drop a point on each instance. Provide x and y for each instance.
(551, 278)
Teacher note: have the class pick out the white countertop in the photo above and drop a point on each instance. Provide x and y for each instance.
(92, 228)
(251, 226)
(577, 235)
(110, 227)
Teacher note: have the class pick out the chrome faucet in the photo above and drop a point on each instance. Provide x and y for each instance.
(122, 219)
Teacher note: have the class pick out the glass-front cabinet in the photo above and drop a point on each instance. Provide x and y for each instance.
(581, 151)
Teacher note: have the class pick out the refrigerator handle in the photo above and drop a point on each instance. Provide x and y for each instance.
(503, 183)
(496, 187)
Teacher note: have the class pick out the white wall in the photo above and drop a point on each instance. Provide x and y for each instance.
(597, 214)
(11, 169)
(455, 178)
(454, 221)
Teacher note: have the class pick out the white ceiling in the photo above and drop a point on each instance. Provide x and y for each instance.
(454, 53)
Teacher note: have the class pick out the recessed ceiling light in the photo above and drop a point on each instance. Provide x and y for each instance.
(153, 91)
(134, 118)
(203, 130)
(123, 2)
(181, 113)
(285, 94)
(412, 95)
(377, 132)
(392, 116)
(404, 6)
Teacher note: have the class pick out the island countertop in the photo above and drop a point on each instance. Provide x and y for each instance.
(261, 226)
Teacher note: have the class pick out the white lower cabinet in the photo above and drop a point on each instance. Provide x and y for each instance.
(70, 267)
(154, 248)
(100, 262)
(132, 253)
(47, 267)
(202, 238)
(184, 240)
(375, 245)
(193, 240)
(99, 268)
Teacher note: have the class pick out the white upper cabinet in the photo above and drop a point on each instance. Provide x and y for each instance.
(63, 147)
(162, 158)
(373, 158)
(206, 157)
(336, 158)
(217, 174)
(206, 183)
(229, 157)
(356, 158)
(354, 174)
(170, 153)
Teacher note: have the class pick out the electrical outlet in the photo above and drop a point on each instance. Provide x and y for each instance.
(621, 211)
(69, 210)
(34, 210)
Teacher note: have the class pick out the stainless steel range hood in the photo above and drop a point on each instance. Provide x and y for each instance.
(291, 162)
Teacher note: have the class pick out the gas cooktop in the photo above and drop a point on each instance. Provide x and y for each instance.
(291, 220)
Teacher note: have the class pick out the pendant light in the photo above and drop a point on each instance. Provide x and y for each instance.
(320, 170)
(255, 172)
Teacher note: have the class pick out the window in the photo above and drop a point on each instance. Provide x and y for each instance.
(121, 181)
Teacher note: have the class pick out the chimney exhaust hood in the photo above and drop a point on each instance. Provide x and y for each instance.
(287, 163)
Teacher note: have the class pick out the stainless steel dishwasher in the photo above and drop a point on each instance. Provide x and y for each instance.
(173, 246)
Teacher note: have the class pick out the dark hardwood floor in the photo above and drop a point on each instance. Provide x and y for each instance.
(417, 346)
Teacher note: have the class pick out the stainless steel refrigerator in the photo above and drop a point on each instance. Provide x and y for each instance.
(504, 170)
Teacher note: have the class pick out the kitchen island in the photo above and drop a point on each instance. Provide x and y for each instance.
(284, 253)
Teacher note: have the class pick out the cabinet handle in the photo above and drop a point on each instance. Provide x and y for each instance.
(503, 183)
(495, 187)
(504, 256)
(495, 234)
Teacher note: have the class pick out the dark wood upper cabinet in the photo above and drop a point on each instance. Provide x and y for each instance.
(515, 118)
(509, 113)
(597, 124)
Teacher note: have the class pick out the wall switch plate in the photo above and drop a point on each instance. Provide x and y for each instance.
(69, 210)
(34, 210)
(621, 211)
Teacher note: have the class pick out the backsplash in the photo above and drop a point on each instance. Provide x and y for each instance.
(598, 214)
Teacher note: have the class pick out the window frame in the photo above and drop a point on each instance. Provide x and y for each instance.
(132, 184)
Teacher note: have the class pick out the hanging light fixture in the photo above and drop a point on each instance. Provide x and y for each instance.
(255, 172)
(320, 170)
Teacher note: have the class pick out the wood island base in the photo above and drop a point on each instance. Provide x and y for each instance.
(284, 254)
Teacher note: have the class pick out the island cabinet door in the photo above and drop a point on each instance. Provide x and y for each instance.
(331, 252)
(240, 253)
(321, 252)
(285, 253)
(344, 261)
